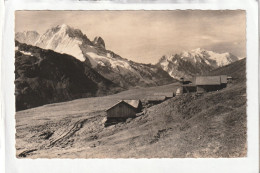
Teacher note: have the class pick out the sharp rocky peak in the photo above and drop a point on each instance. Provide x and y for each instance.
(98, 41)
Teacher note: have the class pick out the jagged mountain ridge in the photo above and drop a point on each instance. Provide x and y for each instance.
(44, 76)
(65, 39)
(28, 37)
(195, 62)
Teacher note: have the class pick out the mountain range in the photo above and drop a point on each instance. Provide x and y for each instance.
(65, 39)
(63, 64)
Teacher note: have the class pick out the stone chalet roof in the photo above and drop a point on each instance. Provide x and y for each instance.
(210, 80)
(131, 103)
(134, 103)
(156, 98)
(166, 94)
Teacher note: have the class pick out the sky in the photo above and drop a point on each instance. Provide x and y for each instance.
(145, 36)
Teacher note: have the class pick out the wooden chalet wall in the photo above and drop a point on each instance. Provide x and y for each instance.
(208, 88)
(121, 110)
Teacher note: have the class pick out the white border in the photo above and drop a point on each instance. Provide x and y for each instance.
(243, 165)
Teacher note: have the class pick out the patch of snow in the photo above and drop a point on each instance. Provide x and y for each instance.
(207, 62)
(26, 53)
(62, 43)
(109, 55)
(101, 63)
(241, 58)
(165, 63)
(72, 47)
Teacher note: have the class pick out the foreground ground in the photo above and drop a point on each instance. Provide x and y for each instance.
(210, 125)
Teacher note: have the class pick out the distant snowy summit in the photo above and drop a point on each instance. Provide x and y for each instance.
(28, 37)
(197, 61)
(210, 57)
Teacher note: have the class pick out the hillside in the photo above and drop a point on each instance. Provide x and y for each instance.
(44, 76)
(237, 70)
(210, 125)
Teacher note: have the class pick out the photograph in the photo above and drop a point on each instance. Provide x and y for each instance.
(130, 84)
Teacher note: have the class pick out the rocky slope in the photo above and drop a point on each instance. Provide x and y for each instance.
(65, 39)
(195, 62)
(44, 76)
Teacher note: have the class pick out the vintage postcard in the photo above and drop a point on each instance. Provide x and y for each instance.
(131, 84)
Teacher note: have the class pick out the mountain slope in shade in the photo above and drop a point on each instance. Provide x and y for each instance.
(195, 62)
(28, 37)
(236, 70)
(44, 76)
(65, 39)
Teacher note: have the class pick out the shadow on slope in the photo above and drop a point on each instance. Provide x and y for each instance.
(44, 76)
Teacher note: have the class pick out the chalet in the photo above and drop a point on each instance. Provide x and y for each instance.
(202, 84)
(210, 83)
(124, 109)
(166, 94)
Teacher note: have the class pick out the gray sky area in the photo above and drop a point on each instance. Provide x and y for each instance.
(144, 36)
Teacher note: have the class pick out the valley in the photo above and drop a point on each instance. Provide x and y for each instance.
(187, 126)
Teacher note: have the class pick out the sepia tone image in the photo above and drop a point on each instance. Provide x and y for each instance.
(130, 84)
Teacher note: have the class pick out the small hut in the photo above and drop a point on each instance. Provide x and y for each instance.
(179, 91)
(124, 109)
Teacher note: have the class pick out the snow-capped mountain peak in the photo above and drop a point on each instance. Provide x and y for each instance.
(199, 54)
(193, 62)
(64, 39)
